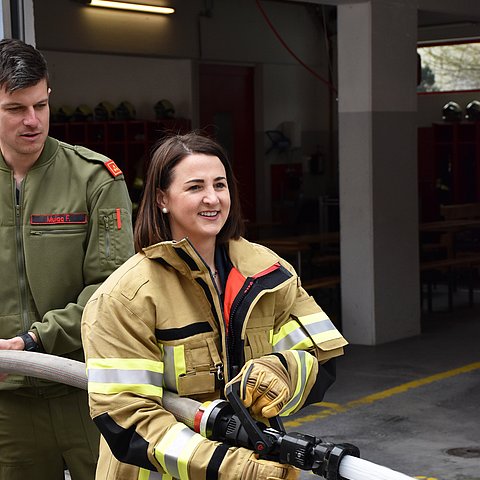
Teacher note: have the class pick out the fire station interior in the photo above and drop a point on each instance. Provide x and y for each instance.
(340, 164)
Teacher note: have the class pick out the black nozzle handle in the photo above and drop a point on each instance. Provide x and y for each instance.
(261, 442)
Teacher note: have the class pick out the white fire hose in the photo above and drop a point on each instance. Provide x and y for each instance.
(185, 410)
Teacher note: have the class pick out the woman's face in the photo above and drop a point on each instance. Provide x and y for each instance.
(198, 199)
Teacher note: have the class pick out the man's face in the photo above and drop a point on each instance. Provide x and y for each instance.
(24, 122)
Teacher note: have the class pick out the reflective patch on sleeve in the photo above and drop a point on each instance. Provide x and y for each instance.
(316, 327)
(175, 449)
(113, 168)
(110, 376)
(291, 336)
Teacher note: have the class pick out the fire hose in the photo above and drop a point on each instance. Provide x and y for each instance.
(225, 421)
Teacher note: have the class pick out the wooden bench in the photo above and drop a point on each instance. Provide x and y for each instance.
(450, 266)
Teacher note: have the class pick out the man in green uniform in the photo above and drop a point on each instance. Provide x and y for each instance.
(65, 225)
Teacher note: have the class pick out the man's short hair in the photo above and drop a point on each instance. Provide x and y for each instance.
(21, 65)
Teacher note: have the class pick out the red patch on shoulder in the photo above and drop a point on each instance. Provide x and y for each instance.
(112, 168)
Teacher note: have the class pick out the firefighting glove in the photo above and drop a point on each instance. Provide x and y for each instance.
(257, 469)
(265, 385)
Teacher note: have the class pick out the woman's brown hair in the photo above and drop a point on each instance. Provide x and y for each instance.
(151, 226)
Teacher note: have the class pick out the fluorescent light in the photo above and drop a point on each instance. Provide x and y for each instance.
(138, 7)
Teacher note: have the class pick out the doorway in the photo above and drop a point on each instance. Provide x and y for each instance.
(226, 112)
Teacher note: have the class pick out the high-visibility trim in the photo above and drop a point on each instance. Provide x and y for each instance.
(114, 388)
(175, 449)
(305, 363)
(144, 474)
(125, 364)
(291, 336)
(294, 334)
(173, 364)
(113, 375)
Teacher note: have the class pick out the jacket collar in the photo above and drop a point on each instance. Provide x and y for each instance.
(249, 258)
(49, 149)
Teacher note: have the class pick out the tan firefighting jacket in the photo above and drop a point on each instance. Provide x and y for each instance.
(159, 323)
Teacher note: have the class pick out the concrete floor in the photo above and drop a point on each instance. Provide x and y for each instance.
(410, 405)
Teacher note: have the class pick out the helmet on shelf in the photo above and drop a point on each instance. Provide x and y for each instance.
(64, 113)
(164, 109)
(451, 112)
(472, 110)
(104, 111)
(125, 111)
(83, 113)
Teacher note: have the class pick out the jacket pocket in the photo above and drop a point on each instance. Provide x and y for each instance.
(258, 337)
(195, 366)
(114, 236)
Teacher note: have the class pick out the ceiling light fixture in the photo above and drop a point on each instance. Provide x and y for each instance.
(137, 7)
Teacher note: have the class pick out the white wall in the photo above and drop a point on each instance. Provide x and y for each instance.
(85, 78)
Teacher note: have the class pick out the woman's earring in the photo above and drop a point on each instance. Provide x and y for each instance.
(164, 210)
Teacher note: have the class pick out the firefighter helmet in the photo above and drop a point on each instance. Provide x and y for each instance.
(451, 112)
(472, 110)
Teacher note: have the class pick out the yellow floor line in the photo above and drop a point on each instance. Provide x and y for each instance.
(329, 408)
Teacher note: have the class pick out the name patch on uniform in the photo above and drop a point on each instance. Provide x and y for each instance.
(113, 168)
(56, 218)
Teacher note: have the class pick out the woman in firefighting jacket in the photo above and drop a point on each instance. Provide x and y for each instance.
(197, 307)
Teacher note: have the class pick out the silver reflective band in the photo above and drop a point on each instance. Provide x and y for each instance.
(128, 377)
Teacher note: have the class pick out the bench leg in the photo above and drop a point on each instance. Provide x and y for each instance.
(450, 289)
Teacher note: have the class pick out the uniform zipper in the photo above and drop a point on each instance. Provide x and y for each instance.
(232, 335)
(22, 275)
(56, 231)
(107, 236)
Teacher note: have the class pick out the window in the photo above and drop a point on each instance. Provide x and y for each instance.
(454, 67)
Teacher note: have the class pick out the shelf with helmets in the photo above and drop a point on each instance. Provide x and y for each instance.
(449, 160)
(116, 133)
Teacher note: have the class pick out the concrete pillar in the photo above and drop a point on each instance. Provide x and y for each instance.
(17, 20)
(378, 170)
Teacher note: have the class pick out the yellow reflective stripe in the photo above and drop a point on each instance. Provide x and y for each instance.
(144, 474)
(174, 450)
(113, 388)
(114, 375)
(294, 334)
(174, 362)
(126, 364)
(179, 361)
(305, 363)
(291, 336)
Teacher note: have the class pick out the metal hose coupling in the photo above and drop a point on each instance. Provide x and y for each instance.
(328, 457)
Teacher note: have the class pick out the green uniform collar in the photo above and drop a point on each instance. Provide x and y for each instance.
(49, 149)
